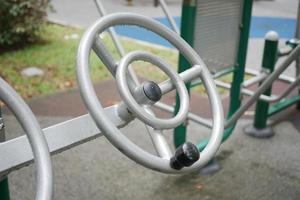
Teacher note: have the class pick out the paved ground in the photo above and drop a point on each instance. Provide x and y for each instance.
(252, 168)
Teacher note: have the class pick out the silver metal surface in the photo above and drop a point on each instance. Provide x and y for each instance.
(109, 129)
(187, 75)
(161, 146)
(2, 132)
(203, 121)
(284, 51)
(127, 97)
(217, 30)
(282, 77)
(169, 16)
(256, 79)
(247, 92)
(38, 145)
(115, 38)
(297, 35)
(159, 142)
(17, 153)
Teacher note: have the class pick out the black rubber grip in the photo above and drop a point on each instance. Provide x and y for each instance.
(185, 155)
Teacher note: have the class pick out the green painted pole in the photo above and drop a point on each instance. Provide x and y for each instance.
(297, 35)
(238, 74)
(268, 64)
(260, 128)
(4, 188)
(187, 33)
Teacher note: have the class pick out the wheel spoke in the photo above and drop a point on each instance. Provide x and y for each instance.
(159, 141)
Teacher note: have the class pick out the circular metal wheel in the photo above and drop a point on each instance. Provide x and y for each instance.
(185, 158)
(36, 139)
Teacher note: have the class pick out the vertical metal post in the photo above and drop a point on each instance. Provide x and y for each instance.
(187, 33)
(297, 35)
(260, 128)
(4, 188)
(169, 16)
(115, 38)
(238, 74)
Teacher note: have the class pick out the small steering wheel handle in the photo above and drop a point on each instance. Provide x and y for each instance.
(36, 139)
(146, 117)
(109, 129)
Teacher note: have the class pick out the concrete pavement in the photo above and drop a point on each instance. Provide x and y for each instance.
(251, 168)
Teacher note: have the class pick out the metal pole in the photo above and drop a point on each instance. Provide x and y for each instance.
(115, 39)
(259, 128)
(169, 16)
(4, 187)
(297, 35)
(265, 85)
(187, 33)
(238, 75)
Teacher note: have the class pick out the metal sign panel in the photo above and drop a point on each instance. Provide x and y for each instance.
(217, 29)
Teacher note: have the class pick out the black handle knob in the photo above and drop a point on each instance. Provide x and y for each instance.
(152, 91)
(185, 155)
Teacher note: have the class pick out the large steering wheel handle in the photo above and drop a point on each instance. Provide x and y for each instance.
(26, 118)
(96, 110)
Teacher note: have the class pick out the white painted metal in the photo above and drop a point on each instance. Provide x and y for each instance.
(96, 110)
(17, 153)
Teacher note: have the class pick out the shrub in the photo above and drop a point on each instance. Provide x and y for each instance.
(20, 21)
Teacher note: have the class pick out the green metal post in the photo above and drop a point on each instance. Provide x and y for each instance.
(187, 33)
(238, 74)
(297, 35)
(4, 189)
(259, 128)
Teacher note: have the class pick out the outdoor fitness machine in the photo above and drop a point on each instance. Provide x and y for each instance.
(137, 101)
(218, 31)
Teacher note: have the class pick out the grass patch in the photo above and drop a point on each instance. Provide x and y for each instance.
(56, 56)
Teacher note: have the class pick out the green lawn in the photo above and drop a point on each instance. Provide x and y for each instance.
(56, 56)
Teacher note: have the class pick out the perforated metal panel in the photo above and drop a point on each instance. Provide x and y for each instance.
(216, 34)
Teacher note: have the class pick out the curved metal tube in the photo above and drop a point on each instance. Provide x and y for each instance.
(103, 122)
(127, 97)
(169, 16)
(24, 115)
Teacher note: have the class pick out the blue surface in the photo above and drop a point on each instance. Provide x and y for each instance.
(259, 27)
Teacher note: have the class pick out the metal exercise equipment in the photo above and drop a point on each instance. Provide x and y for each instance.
(219, 31)
(91, 40)
(36, 143)
(137, 103)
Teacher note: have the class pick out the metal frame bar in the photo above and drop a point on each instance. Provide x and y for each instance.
(238, 74)
(297, 35)
(268, 64)
(115, 38)
(169, 16)
(187, 33)
(17, 152)
(282, 77)
(4, 186)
